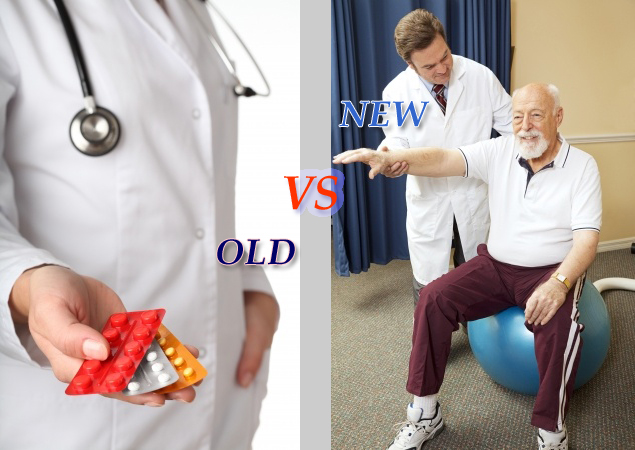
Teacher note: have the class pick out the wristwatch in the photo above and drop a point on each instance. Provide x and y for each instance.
(561, 278)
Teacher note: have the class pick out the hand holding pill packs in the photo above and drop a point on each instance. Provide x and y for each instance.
(138, 363)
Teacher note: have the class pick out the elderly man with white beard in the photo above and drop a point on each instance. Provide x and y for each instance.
(546, 208)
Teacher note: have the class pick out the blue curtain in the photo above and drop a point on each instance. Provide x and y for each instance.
(371, 225)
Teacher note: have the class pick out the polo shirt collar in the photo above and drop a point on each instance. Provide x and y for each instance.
(561, 157)
(558, 161)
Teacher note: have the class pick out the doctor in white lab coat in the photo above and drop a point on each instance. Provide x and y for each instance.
(145, 219)
(476, 102)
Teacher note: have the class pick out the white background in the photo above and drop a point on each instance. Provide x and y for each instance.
(269, 149)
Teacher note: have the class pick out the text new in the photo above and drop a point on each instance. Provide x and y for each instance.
(358, 118)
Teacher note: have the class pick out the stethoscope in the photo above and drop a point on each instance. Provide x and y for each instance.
(94, 130)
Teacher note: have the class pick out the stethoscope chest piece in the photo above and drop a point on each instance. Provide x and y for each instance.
(95, 133)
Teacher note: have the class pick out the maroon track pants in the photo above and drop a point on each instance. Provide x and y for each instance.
(482, 287)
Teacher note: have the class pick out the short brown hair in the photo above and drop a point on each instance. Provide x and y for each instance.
(416, 31)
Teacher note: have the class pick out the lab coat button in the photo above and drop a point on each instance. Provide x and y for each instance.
(202, 352)
(196, 113)
(200, 233)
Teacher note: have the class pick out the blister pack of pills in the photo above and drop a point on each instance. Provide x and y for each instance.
(154, 372)
(129, 335)
(189, 369)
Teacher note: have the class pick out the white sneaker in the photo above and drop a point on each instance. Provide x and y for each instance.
(415, 431)
(547, 441)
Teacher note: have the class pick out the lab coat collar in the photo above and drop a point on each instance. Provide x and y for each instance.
(456, 85)
(413, 80)
(156, 20)
(417, 89)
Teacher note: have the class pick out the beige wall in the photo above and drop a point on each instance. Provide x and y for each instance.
(587, 49)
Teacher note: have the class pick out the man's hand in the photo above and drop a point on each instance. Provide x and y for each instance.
(261, 316)
(397, 169)
(377, 160)
(545, 301)
(64, 310)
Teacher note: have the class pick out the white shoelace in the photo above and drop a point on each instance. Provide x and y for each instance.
(404, 434)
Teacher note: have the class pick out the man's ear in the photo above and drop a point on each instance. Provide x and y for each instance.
(559, 115)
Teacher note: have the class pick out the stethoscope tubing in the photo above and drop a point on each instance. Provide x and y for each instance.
(75, 48)
(226, 60)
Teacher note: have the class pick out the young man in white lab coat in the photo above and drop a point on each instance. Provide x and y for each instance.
(145, 220)
(465, 101)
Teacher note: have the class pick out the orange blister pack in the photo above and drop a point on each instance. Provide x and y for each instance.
(190, 370)
(129, 335)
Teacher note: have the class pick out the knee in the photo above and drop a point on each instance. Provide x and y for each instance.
(430, 299)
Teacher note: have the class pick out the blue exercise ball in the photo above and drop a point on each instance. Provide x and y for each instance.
(504, 347)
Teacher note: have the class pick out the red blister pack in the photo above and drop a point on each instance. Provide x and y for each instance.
(129, 335)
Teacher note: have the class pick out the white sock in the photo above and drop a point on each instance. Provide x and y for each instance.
(427, 403)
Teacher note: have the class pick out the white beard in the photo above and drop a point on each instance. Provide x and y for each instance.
(531, 150)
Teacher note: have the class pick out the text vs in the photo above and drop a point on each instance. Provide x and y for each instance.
(319, 191)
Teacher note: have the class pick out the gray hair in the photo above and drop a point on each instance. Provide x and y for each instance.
(555, 94)
(553, 91)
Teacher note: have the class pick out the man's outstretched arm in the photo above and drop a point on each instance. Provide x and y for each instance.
(423, 161)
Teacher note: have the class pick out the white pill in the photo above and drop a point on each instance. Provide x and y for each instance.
(157, 367)
(164, 377)
(151, 356)
(133, 386)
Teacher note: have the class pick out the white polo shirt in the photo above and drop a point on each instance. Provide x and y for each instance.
(534, 215)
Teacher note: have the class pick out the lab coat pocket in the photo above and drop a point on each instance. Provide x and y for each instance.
(422, 217)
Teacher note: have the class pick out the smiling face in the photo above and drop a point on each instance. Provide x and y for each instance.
(536, 118)
(433, 63)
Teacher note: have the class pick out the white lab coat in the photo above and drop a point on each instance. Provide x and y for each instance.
(476, 103)
(146, 218)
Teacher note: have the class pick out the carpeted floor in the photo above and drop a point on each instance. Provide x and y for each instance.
(371, 325)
